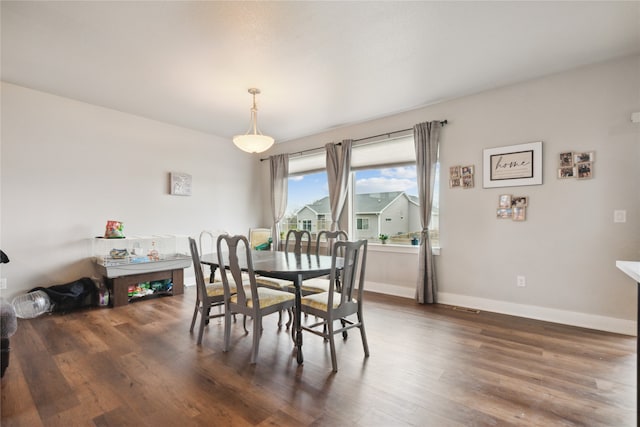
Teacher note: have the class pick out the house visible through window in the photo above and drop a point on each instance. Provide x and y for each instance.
(307, 203)
(383, 200)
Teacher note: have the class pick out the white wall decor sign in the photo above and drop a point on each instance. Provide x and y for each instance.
(513, 165)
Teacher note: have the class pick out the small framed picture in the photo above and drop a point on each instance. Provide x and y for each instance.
(505, 201)
(566, 172)
(584, 170)
(466, 170)
(504, 213)
(467, 181)
(180, 184)
(454, 172)
(588, 156)
(519, 201)
(519, 214)
(566, 159)
(455, 182)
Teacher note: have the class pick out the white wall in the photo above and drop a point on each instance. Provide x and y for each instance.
(568, 245)
(68, 167)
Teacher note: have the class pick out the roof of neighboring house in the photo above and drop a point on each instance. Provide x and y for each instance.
(375, 202)
(370, 203)
(320, 207)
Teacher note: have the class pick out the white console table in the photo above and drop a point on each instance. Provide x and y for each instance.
(632, 269)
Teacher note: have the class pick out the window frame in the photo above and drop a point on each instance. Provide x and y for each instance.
(348, 220)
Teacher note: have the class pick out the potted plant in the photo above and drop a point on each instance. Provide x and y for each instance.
(383, 238)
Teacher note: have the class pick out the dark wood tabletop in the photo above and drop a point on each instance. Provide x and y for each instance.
(282, 265)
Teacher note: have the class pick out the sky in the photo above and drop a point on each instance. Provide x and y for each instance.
(309, 188)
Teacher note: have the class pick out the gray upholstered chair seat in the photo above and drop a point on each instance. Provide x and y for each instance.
(320, 301)
(266, 296)
(216, 289)
(312, 286)
(271, 283)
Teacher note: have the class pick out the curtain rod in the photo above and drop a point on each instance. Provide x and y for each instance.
(442, 122)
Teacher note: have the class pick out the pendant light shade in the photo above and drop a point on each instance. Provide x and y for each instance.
(254, 142)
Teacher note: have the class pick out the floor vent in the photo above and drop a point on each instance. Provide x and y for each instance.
(467, 310)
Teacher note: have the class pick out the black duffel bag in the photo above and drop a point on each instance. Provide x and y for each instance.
(70, 296)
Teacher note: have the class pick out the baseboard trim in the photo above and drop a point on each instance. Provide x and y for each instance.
(387, 289)
(573, 318)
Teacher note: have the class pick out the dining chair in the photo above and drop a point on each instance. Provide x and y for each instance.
(321, 284)
(207, 244)
(294, 238)
(259, 238)
(297, 238)
(208, 295)
(252, 300)
(332, 305)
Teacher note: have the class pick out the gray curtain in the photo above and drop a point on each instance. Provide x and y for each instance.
(338, 170)
(279, 190)
(426, 138)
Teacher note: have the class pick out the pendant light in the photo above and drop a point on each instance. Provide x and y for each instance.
(254, 142)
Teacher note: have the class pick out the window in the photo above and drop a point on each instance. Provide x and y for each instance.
(307, 203)
(387, 198)
(383, 193)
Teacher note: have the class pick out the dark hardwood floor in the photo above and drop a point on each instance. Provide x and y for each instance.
(138, 365)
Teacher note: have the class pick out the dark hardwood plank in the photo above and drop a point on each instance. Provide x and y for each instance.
(138, 365)
(16, 403)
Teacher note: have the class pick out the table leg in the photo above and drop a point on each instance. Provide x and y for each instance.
(298, 319)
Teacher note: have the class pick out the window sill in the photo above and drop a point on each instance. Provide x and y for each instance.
(399, 249)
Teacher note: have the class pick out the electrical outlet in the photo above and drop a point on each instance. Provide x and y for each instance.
(3, 283)
(620, 216)
(521, 282)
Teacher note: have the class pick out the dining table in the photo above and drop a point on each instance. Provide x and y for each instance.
(292, 266)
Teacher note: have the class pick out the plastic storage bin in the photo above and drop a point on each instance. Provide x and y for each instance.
(138, 254)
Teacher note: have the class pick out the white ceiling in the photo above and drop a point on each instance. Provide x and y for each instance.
(319, 65)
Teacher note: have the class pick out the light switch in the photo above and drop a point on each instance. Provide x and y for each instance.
(620, 216)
